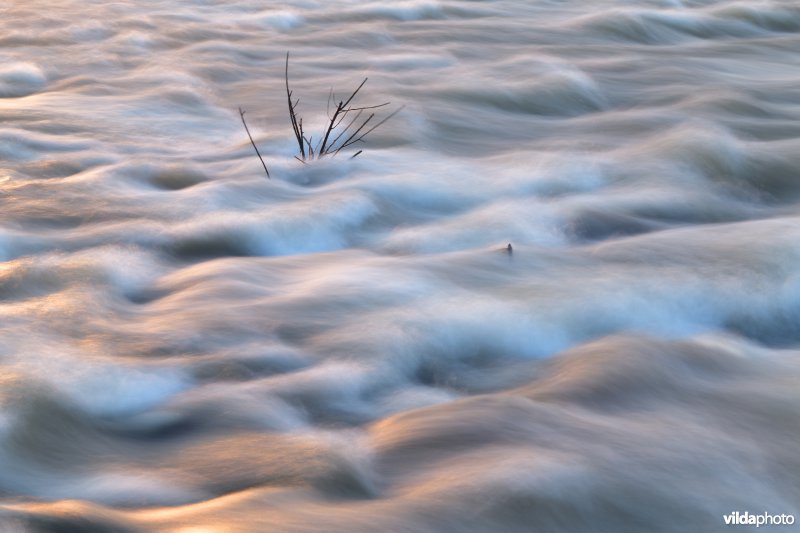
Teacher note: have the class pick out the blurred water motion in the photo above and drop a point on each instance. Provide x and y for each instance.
(350, 346)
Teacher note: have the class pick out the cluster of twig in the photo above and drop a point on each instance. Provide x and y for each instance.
(357, 120)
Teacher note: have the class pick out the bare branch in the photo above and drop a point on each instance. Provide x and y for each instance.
(292, 113)
(368, 107)
(331, 126)
(361, 127)
(330, 142)
(328, 105)
(355, 118)
(347, 102)
(396, 111)
(310, 147)
(241, 114)
(344, 114)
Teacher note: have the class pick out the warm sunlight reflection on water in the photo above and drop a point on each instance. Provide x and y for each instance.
(559, 291)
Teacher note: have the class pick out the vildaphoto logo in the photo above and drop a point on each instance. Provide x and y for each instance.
(764, 519)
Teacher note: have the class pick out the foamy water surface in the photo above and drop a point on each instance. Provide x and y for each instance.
(186, 345)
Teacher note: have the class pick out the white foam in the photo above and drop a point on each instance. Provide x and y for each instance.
(21, 79)
(99, 387)
(286, 229)
(280, 20)
(405, 10)
(522, 222)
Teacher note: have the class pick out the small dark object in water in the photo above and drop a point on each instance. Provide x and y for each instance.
(509, 249)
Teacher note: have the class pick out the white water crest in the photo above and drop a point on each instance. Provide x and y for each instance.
(187, 345)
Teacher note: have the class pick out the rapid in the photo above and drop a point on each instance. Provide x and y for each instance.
(189, 346)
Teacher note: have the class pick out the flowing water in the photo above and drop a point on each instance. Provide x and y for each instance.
(186, 345)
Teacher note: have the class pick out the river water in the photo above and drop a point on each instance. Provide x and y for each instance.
(186, 345)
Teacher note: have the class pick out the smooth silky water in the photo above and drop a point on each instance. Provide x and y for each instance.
(188, 346)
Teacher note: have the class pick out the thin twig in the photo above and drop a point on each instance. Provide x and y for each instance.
(310, 147)
(241, 114)
(341, 108)
(347, 141)
(347, 102)
(344, 130)
(373, 127)
(302, 135)
(325, 146)
(292, 113)
(367, 107)
(328, 105)
(341, 119)
(331, 126)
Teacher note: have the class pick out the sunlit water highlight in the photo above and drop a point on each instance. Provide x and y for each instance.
(188, 346)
